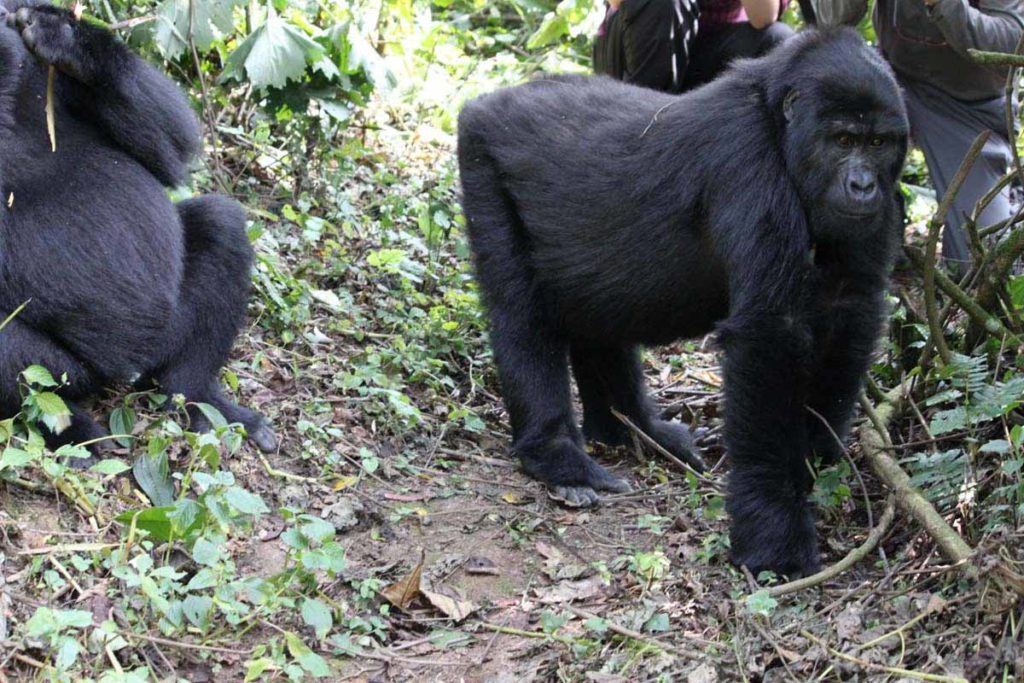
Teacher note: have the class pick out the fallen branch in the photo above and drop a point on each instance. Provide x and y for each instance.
(852, 558)
(875, 442)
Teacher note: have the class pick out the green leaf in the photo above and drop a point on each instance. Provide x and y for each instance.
(317, 615)
(761, 603)
(155, 521)
(275, 53)
(206, 552)
(313, 663)
(110, 467)
(153, 476)
(122, 421)
(209, 17)
(551, 29)
(15, 457)
(245, 502)
(197, 610)
(37, 375)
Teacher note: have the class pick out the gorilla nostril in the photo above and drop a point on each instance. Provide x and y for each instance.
(861, 184)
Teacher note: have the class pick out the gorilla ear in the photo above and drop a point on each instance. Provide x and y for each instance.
(789, 103)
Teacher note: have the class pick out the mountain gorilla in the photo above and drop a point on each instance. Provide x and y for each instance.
(121, 284)
(603, 216)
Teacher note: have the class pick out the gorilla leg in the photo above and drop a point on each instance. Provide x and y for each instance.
(532, 362)
(530, 352)
(613, 378)
(211, 311)
(22, 346)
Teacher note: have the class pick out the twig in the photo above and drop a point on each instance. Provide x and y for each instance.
(935, 226)
(636, 635)
(972, 308)
(664, 451)
(852, 558)
(871, 666)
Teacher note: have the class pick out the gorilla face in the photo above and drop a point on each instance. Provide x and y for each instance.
(845, 143)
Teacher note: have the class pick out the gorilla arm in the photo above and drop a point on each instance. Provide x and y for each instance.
(768, 345)
(115, 89)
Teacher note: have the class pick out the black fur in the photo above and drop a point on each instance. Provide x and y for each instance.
(603, 216)
(122, 284)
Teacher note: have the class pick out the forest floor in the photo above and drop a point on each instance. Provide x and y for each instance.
(458, 567)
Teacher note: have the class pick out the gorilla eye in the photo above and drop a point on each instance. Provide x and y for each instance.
(877, 142)
(845, 140)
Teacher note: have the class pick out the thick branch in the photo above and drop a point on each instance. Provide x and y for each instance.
(852, 558)
(996, 58)
(874, 440)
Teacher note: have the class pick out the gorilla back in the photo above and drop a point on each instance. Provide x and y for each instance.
(121, 284)
(603, 216)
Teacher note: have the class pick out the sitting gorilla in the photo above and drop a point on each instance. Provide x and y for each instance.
(764, 205)
(120, 284)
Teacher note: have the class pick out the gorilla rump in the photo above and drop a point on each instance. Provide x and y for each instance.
(121, 284)
(764, 205)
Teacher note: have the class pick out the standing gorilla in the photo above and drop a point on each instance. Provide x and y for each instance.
(603, 216)
(121, 284)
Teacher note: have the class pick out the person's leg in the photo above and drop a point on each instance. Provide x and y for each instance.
(944, 129)
(655, 39)
(608, 55)
(718, 46)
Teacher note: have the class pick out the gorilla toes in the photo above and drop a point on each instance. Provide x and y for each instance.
(264, 437)
(571, 474)
(677, 439)
(773, 536)
(576, 496)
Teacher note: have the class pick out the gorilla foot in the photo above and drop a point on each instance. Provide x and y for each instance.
(571, 475)
(769, 535)
(257, 429)
(263, 436)
(676, 438)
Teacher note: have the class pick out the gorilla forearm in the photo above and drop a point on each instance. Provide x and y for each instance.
(115, 89)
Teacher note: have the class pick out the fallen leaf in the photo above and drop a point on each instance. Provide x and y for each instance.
(402, 593)
(407, 498)
(569, 591)
(344, 483)
(455, 608)
(513, 498)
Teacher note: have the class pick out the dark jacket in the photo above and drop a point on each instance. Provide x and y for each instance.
(930, 44)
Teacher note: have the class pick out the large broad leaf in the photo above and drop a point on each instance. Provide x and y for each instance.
(172, 24)
(152, 473)
(275, 53)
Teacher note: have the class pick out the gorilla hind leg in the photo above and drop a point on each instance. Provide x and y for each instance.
(612, 377)
(22, 346)
(210, 314)
(530, 352)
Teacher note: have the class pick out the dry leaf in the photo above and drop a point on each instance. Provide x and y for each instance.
(344, 483)
(402, 593)
(569, 591)
(454, 608)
